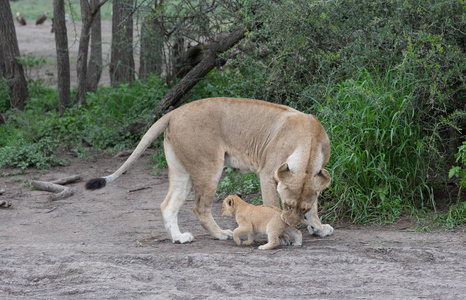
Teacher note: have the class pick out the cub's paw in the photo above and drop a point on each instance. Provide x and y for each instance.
(298, 243)
(265, 247)
(284, 239)
(326, 230)
(186, 237)
(224, 235)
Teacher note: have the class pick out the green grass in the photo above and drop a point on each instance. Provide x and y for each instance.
(380, 157)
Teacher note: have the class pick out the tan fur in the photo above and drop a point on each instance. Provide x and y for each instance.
(286, 148)
(262, 219)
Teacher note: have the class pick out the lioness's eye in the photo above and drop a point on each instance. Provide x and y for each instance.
(289, 207)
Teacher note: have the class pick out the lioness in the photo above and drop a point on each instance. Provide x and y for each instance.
(254, 219)
(286, 148)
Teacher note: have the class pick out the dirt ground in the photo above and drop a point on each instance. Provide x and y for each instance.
(111, 244)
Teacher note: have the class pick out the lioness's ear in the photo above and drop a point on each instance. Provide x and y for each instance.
(321, 180)
(283, 173)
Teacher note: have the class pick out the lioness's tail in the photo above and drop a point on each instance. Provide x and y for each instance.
(151, 134)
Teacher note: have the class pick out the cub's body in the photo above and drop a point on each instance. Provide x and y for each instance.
(253, 220)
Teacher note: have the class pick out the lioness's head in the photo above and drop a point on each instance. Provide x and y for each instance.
(298, 192)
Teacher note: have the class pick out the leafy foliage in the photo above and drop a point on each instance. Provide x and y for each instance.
(460, 171)
(234, 182)
(30, 138)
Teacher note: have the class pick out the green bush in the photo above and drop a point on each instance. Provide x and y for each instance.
(380, 159)
(460, 171)
(234, 182)
(30, 138)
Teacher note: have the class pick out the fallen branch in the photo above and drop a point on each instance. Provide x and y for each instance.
(123, 153)
(139, 189)
(66, 180)
(4, 204)
(56, 186)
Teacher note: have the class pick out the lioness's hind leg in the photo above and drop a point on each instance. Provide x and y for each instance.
(205, 186)
(179, 187)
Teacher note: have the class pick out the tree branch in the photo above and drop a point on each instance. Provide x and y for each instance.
(131, 13)
(181, 22)
(199, 71)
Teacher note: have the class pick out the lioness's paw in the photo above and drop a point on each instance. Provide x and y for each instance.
(224, 235)
(186, 237)
(325, 231)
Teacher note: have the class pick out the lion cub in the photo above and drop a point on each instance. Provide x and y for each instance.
(254, 219)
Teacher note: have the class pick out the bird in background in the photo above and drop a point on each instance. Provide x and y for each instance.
(41, 19)
(20, 19)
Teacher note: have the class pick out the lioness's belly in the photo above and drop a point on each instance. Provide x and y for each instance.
(238, 164)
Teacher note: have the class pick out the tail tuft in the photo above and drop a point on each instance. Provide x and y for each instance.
(96, 183)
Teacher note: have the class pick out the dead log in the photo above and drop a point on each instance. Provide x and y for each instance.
(123, 153)
(66, 180)
(61, 192)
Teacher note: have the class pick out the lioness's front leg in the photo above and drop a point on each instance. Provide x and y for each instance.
(269, 191)
(316, 227)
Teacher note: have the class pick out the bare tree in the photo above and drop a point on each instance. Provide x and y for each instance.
(14, 72)
(88, 13)
(95, 61)
(63, 60)
(122, 60)
(152, 44)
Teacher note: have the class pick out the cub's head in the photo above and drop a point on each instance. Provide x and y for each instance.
(228, 206)
(298, 192)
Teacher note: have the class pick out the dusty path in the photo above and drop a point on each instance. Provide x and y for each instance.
(111, 244)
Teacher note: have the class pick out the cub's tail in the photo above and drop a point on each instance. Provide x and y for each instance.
(151, 134)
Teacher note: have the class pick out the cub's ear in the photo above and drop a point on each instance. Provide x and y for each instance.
(283, 173)
(230, 201)
(321, 180)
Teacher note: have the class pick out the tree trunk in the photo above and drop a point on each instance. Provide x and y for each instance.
(14, 72)
(176, 94)
(2, 63)
(63, 60)
(152, 41)
(94, 67)
(88, 13)
(122, 61)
